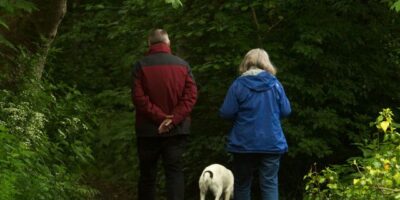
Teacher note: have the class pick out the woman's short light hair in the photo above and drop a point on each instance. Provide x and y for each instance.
(257, 58)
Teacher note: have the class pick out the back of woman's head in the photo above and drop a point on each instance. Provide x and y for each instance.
(257, 58)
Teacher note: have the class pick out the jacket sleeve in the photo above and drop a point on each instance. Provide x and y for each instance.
(284, 104)
(141, 100)
(186, 101)
(230, 107)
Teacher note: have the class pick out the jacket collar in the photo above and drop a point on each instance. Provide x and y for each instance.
(253, 71)
(159, 48)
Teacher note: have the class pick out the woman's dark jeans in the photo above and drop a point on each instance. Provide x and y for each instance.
(244, 166)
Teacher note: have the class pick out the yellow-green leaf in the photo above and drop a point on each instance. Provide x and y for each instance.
(384, 125)
(396, 178)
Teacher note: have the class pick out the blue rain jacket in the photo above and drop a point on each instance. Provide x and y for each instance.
(256, 103)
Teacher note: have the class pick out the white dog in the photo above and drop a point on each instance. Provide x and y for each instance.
(218, 179)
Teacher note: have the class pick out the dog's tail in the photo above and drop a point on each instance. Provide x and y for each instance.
(205, 181)
(207, 175)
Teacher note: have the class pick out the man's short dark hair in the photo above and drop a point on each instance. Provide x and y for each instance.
(157, 36)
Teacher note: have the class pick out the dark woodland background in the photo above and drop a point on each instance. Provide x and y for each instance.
(67, 121)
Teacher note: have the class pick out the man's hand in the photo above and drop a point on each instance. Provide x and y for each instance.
(166, 125)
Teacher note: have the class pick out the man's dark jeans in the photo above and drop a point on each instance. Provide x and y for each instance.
(170, 149)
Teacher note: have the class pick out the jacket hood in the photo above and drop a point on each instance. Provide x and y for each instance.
(259, 82)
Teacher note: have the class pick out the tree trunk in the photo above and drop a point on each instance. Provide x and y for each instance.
(32, 34)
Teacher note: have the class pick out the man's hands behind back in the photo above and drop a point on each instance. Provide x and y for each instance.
(166, 125)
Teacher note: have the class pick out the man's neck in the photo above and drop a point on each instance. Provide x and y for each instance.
(159, 48)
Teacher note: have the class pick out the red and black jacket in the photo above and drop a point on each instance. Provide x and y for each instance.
(162, 85)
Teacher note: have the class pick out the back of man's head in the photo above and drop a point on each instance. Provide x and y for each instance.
(157, 36)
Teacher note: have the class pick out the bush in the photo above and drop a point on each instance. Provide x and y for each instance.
(375, 175)
(43, 145)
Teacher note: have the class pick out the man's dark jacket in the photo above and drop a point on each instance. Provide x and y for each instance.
(162, 84)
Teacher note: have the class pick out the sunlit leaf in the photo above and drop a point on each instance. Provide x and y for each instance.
(384, 125)
(175, 3)
(396, 6)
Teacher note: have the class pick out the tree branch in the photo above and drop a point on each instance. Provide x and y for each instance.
(255, 20)
(34, 32)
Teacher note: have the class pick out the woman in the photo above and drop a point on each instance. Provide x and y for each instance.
(256, 101)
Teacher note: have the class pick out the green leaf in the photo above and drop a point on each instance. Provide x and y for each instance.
(396, 6)
(3, 129)
(2, 23)
(396, 178)
(175, 3)
(6, 42)
(25, 5)
(380, 118)
(384, 125)
(321, 180)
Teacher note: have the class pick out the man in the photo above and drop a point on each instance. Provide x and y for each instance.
(164, 93)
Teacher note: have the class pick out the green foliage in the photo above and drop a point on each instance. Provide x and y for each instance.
(34, 163)
(375, 175)
(115, 127)
(394, 4)
(43, 146)
(12, 8)
(7, 176)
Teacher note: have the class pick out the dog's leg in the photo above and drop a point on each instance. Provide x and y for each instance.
(228, 194)
(202, 195)
(218, 194)
(203, 191)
